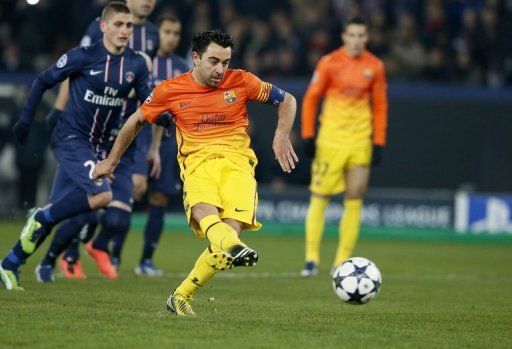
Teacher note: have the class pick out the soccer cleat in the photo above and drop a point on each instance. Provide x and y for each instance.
(44, 273)
(180, 305)
(102, 259)
(310, 269)
(243, 256)
(9, 279)
(72, 270)
(31, 232)
(237, 256)
(147, 268)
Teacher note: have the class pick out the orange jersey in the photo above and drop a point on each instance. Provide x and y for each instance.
(210, 122)
(355, 103)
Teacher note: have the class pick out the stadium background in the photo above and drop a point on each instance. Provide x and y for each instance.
(437, 219)
(449, 65)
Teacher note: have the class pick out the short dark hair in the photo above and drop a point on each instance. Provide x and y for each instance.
(354, 20)
(167, 16)
(201, 41)
(114, 7)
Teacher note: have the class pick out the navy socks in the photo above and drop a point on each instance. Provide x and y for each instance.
(64, 236)
(153, 231)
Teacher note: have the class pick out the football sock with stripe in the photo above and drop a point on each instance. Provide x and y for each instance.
(15, 257)
(315, 222)
(220, 234)
(348, 230)
(200, 274)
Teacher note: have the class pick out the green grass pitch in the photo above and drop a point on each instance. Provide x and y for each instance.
(434, 295)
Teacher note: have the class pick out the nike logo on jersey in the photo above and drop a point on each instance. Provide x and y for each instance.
(95, 72)
(239, 210)
(184, 104)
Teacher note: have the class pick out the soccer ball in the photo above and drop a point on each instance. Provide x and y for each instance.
(357, 280)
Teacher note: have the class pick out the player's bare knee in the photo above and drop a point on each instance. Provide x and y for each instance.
(100, 200)
(201, 210)
(138, 191)
(355, 193)
(236, 225)
(140, 186)
(320, 196)
(158, 199)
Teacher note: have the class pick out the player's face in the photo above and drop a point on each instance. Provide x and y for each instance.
(141, 8)
(117, 29)
(212, 65)
(354, 38)
(170, 34)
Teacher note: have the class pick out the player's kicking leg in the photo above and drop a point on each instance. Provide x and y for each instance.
(220, 201)
(226, 251)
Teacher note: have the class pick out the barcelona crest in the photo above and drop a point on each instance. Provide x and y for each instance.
(230, 96)
(368, 73)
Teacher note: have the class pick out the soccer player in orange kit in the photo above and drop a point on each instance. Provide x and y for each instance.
(216, 162)
(351, 135)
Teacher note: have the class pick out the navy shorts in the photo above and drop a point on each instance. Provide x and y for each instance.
(76, 160)
(143, 140)
(169, 182)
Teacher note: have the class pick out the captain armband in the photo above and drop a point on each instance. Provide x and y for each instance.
(276, 96)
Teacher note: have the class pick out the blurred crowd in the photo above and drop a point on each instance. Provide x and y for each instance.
(460, 41)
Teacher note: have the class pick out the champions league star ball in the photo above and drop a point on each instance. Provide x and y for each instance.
(357, 280)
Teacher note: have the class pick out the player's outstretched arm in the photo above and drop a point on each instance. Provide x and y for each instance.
(128, 132)
(59, 106)
(69, 63)
(282, 146)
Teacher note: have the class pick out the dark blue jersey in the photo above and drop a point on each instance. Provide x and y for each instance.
(99, 83)
(145, 37)
(166, 67)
